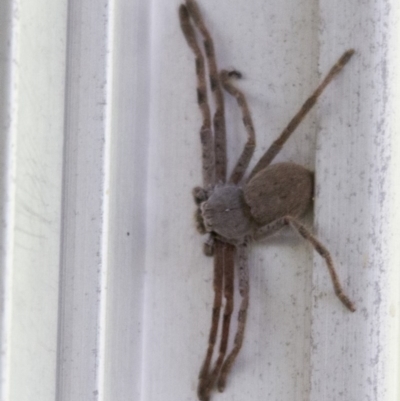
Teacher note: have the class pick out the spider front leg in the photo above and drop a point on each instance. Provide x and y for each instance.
(242, 315)
(277, 145)
(219, 116)
(206, 137)
(206, 384)
(247, 153)
(307, 235)
(218, 288)
(223, 283)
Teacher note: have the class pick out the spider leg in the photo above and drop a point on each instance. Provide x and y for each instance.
(218, 288)
(208, 246)
(306, 234)
(247, 153)
(242, 315)
(219, 116)
(229, 266)
(202, 99)
(298, 118)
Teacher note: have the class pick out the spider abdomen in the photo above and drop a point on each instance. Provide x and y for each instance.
(279, 190)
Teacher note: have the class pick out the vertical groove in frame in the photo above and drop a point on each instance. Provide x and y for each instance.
(152, 10)
(85, 209)
(8, 191)
(106, 203)
(61, 288)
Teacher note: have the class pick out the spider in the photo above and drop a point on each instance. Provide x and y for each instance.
(235, 211)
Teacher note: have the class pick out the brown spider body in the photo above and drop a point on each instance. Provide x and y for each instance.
(279, 190)
(236, 211)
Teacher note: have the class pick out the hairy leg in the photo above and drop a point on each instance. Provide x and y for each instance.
(242, 316)
(277, 145)
(207, 385)
(219, 116)
(218, 288)
(205, 131)
(306, 234)
(247, 153)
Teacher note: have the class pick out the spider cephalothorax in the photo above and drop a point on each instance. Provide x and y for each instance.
(236, 211)
(226, 213)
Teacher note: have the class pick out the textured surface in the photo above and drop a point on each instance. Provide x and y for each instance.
(105, 292)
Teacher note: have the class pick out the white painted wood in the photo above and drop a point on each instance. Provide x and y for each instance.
(105, 292)
(7, 147)
(357, 201)
(83, 266)
(32, 114)
(123, 363)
